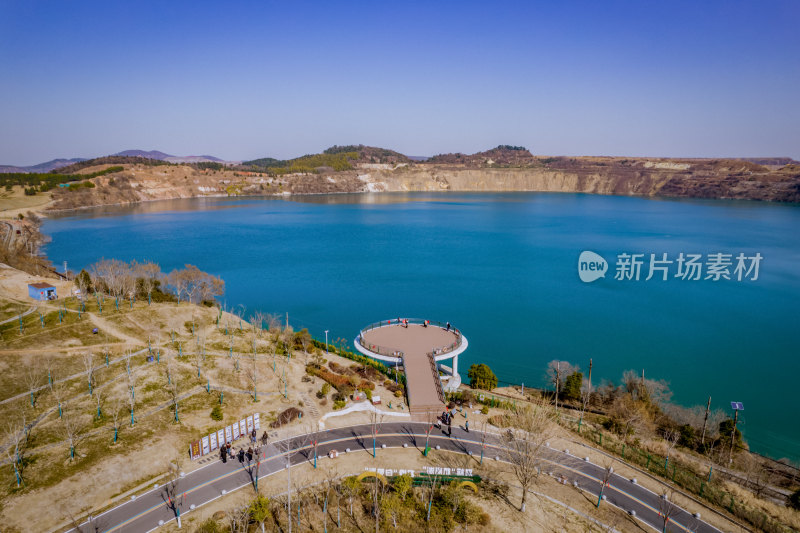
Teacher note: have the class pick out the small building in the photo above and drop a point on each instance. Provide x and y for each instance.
(42, 291)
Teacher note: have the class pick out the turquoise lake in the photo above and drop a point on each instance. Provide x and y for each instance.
(504, 269)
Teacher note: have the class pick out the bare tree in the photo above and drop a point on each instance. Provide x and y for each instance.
(195, 285)
(257, 320)
(72, 428)
(132, 391)
(33, 379)
(671, 438)
(605, 482)
(758, 475)
(667, 509)
(49, 365)
(197, 361)
(112, 273)
(174, 391)
(116, 411)
(586, 395)
(557, 372)
(251, 372)
(88, 365)
(378, 490)
(128, 284)
(98, 398)
(646, 390)
(375, 421)
(171, 491)
(59, 394)
(177, 279)
(17, 437)
(432, 480)
(525, 444)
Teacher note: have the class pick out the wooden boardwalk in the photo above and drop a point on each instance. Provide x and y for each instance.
(422, 381)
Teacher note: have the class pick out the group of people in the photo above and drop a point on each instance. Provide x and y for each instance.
(425, 323)
(226, 450)
(446, 418)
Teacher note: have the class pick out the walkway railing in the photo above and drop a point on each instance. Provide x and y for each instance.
(392, 352)
(436, 379)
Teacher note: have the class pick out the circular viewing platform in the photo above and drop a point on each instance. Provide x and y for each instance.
(390, 340)
(419, 346)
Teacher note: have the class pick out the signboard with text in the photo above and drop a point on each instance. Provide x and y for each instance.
(218, 438)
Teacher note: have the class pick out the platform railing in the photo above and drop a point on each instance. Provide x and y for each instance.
(382, 350)
(378, 349)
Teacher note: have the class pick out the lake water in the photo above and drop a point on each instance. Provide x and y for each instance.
(504, 269)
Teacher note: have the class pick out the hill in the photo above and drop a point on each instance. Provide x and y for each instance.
(41, 167)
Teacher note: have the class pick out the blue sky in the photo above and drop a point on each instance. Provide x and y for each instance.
(241, 80)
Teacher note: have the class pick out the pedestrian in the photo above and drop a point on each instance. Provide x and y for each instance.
(249, 454)
(240, 455)
(223, 453)
(253, 436)
(229, 448)
(264, 439)
(466, 426)
(448, 326)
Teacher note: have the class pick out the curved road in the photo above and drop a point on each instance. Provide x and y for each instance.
(207, 483)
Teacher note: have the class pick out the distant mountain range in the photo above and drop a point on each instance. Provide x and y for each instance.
(503, 154)
(55, 164)
(161, 156)
(41, 167)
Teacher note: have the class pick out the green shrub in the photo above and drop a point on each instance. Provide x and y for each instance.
(572, 386)
(485, 410)
(216, 413)
(338, 404)
(481, 377)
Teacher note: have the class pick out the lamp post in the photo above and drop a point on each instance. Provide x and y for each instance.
(736, 406)
(326, 342)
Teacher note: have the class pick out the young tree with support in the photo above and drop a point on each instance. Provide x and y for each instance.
(17, 439)
(33, 380)
(174, 392)
(172, 491)
(431, 416)
(116, 411)
(59, 394)
(72, 427)
(375, 422)
(88, 366)
(251, 372)
(667, 509)
(98, 398)
(605, 482)
(132, 392)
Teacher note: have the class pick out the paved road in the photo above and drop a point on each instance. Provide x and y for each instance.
(207, 483)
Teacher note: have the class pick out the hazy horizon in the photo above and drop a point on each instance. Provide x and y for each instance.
(242, 81)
